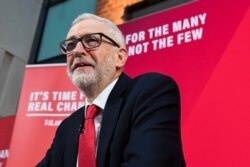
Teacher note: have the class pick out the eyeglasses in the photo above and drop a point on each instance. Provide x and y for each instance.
(89, 41)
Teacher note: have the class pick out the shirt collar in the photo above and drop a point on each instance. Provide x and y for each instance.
(102, 98)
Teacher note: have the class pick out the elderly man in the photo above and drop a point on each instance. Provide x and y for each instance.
(125, 122)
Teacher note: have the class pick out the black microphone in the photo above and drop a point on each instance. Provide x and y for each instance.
(80, 130)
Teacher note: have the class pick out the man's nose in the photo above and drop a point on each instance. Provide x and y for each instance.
(79, 48)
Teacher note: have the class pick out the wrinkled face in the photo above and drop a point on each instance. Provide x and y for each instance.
(91, 67)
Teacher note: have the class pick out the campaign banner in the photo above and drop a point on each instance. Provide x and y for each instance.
(47, 98)
(203, 45)
(6, 127)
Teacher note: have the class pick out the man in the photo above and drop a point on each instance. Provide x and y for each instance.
(139, 120)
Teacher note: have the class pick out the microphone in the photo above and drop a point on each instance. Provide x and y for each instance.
(80, 130)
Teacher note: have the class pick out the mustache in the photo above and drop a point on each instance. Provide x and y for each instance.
(80, 62)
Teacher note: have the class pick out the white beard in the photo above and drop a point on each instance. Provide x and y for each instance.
(93, 77)
(83, 79)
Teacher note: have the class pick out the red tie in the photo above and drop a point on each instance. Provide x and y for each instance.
(87, 144)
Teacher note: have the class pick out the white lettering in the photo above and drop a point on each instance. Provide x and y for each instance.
(203, 18)
(4, 153)
(197, 34)
(69, 106)
(138, 49)
(35, 96)
(51, 122)
(64, 96)
(135, 37)
(158, 31)
(187, 23)
(189, 36)
(40, 106)
(162, 43)
(176, 26)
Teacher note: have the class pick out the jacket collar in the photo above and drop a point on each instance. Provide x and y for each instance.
(110, 116)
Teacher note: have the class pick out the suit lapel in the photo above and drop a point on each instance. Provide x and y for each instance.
(72, 138)
(110, 116)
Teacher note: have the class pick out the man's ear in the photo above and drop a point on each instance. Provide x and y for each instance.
(122, 56)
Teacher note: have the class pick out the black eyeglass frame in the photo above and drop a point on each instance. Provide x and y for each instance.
(76, 40)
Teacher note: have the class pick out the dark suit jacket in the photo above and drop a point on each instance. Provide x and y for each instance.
(140, 127)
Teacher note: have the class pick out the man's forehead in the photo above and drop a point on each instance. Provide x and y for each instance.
(85, 27)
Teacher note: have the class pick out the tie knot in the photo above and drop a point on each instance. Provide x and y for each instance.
(92, 111)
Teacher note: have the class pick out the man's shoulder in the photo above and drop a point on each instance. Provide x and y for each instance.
(154, 77)
(150, 83)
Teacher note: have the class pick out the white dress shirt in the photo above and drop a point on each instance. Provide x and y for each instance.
(100, 101)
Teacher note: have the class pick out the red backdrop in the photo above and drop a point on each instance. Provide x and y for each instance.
(6, 127)
(203, 45)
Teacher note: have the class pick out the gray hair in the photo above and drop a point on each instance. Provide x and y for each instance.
(114, 31)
